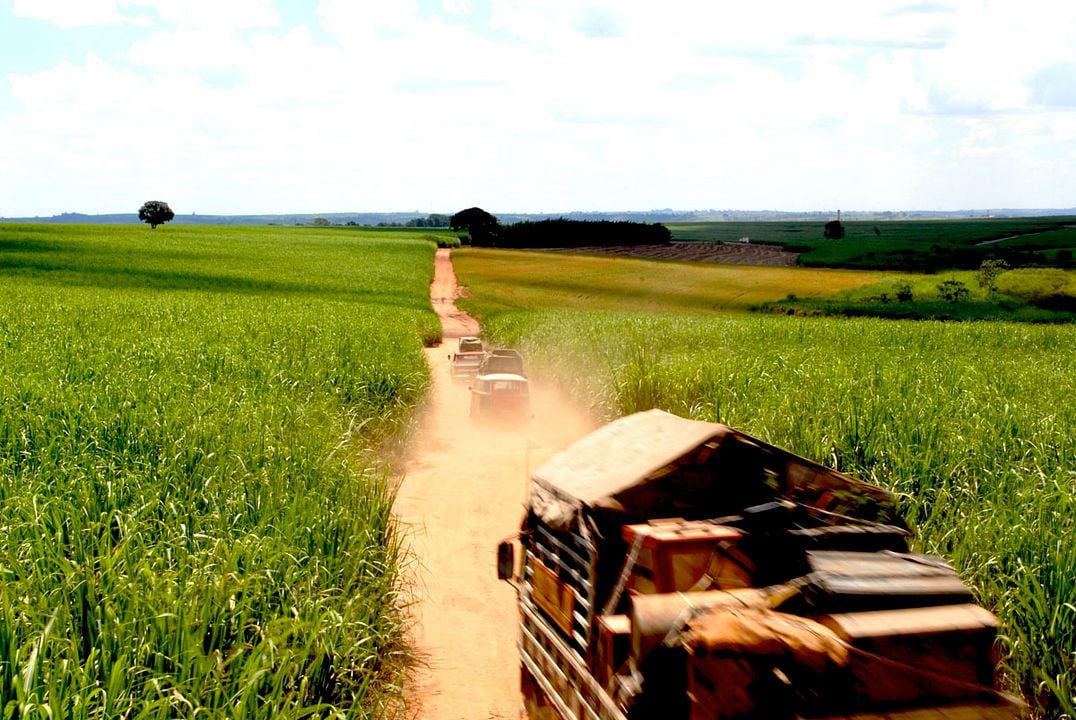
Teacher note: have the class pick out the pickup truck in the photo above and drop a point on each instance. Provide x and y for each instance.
(464, 363)
(677, 569)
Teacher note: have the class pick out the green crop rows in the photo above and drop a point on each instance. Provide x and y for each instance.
(193, 518)
(914, 245)
(973, 424)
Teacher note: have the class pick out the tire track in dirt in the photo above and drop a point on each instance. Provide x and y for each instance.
(462, 491)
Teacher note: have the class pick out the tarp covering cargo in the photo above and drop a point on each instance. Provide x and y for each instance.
(654, 464)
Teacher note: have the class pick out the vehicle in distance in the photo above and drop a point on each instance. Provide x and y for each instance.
(464, 363)
(679, 569)
(502, 360)
(471, 344)
(500, 397)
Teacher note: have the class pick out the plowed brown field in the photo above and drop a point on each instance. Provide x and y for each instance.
(724, 253)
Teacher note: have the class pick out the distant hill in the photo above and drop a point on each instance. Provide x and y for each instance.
(193, 219)
(666, 215)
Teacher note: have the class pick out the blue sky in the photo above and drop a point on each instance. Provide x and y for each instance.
(263, 106)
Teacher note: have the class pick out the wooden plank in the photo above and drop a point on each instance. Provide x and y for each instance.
(553, 596)
(938, 585)
(911, 621)
(917, 655)
(861, 594)
(1005, 710)
(877, 564)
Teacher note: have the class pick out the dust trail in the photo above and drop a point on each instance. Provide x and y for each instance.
(462, 492)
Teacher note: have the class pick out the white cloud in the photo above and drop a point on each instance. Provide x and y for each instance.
(229, 15)
(369, 20)
(71, 13)
(232, 14)
(528, 105)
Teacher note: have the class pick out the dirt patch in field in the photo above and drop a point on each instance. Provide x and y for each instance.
(724, 253)
(461, 493)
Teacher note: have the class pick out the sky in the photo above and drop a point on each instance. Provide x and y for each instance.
(535, 106)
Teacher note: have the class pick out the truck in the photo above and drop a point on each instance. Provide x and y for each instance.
(500, 399)
(502, 360)
(464, 363)
(679, 569)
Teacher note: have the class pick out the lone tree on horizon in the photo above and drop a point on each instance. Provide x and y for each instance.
(155, 212)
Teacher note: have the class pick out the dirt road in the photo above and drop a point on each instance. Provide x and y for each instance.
(462, 492)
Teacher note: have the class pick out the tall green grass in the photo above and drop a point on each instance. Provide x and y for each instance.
(193, 519)
(973, 424)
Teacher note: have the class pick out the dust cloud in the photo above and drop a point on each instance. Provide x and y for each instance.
(461, 493)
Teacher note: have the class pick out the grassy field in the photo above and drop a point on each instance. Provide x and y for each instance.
(905, 244)
(1032, 295)
(972, 423)
(965, 232)
(194, 519)
(507, 279)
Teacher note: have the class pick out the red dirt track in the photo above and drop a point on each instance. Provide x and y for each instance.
(461, 493)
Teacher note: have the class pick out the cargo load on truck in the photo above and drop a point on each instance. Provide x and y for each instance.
(672, 568)
(502, 361)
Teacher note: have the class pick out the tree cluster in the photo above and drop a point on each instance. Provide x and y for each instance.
(430, 221)
(485, 230)
(563, 233)
(953, 291)
(972, 258)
